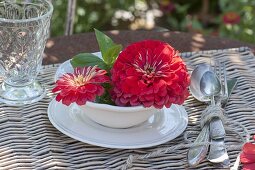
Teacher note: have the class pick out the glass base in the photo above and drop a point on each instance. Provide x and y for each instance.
(17, 96)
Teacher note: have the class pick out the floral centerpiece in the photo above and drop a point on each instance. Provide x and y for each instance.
(146, 74)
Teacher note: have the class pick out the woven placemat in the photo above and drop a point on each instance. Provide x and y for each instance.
(29, 141)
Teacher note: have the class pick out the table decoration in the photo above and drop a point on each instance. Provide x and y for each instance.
(124, 88)
(30, 141)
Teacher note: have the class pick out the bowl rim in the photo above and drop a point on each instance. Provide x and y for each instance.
(103, 106)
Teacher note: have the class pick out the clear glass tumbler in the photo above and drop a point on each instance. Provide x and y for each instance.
(24, 29)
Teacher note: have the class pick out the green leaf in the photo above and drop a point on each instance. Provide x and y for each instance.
(88, 59)
(104, 43)
(112, 53)
(106, 97)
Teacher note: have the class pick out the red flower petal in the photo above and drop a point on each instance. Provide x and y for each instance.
(67, 100)
(158, 85)
(148, 103)
(81, 100)
(91, 88)
(249, 166)
(101, 79)
(67, 90)
(168, 104)
(157, 106)
(59, 98)
(124, 100)
(134, 101)
(56, 89)
(249, 148)
(159, 101)
(247, 158)
(149, 97)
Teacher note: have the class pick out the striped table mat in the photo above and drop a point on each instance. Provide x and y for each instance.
(29, 141)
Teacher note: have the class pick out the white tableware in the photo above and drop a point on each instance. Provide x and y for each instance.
(117, 116)
(159, 128)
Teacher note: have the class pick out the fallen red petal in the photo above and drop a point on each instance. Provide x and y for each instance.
(247, 158)
(249, 148)
(249, 166)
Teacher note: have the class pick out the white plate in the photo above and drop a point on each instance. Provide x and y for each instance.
(66, 67)
(160, 128)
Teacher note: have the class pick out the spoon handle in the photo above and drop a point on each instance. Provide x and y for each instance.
(198, 153)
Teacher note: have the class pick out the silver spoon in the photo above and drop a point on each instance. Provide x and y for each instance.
(197, 154)
(210, 85)
(195, 79)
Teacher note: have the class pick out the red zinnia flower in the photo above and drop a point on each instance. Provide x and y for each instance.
(231, 18)
(149, 73)
(247, 156)
(167, 6)
(81, 86)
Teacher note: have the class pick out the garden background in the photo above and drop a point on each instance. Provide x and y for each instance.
(234, 19)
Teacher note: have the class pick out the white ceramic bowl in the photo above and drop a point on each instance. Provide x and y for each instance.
(116, 116)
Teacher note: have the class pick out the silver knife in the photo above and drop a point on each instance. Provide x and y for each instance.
(197, 154)
(217, 130)
(218, 151)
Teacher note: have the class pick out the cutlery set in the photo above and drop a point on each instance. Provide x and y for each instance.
(209, 84)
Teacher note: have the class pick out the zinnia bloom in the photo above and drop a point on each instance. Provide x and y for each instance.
(81, 86)
(167, 6)
(247, 156)
(149, 73)
(231, 18)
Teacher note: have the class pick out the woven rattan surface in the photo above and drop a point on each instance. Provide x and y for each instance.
(29, 141)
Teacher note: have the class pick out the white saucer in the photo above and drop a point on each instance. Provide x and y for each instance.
(160, 128)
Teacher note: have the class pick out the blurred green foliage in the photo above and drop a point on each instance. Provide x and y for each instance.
(58, 17)
(209, 18)
(89, 14)
(244, 30)
(203, 16)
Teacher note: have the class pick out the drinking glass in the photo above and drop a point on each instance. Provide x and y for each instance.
(24, 29)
